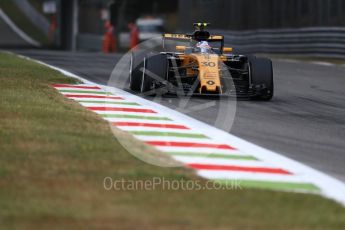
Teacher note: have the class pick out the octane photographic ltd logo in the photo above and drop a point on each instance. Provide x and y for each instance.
(159, 117)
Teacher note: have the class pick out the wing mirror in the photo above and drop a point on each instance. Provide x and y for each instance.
(227, 49)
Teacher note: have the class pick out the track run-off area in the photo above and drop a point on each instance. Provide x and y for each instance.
(305, 120)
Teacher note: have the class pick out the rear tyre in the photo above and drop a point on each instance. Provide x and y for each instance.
(262, 78)
(154, 71)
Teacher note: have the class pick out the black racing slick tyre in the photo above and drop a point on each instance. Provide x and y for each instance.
(135, 71)
(154, 71)
(261, 71)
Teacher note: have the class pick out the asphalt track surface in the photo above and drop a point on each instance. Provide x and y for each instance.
(8, 38)
(305, 121)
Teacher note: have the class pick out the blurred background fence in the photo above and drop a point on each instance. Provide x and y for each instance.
(262, 14)
(310, 41)
(310, 27)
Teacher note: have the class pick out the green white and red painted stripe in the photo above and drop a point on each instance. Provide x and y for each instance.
(211, 157)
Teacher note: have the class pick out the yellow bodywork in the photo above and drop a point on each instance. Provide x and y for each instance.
(208, 71)
(205, 66)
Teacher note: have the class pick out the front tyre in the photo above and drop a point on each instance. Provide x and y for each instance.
(135, 71)
(261, 72)
(154, 72)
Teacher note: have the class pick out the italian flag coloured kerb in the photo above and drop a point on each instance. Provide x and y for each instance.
(211, 158)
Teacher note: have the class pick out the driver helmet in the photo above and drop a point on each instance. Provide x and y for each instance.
(203, 46)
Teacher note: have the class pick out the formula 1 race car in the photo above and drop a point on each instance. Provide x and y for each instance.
(203, 67)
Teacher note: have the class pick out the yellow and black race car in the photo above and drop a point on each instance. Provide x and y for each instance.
(202, 67)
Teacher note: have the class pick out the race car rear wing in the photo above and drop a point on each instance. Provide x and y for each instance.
(190, 36)
(177, 36)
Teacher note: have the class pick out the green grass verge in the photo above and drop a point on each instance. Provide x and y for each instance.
(12, 11)
(54, 156)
